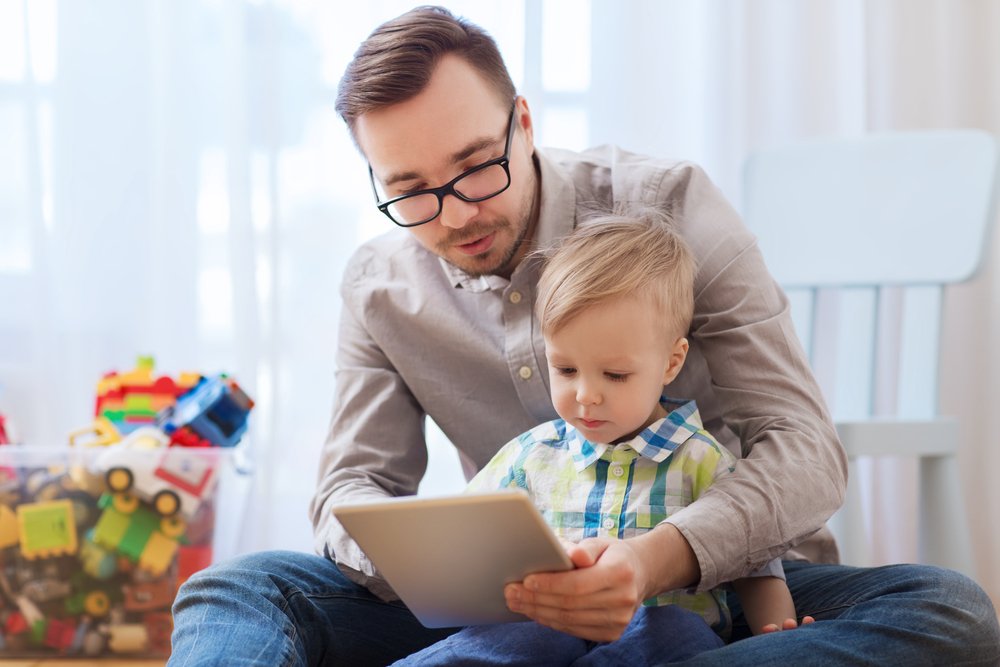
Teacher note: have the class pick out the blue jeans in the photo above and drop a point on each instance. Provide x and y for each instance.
(655, 634)
(287, 608)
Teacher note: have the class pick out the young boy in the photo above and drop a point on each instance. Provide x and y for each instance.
(615, 301)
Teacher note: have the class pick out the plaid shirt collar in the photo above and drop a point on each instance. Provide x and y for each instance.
(656, 442)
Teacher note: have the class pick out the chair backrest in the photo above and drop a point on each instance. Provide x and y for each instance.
(863, 233)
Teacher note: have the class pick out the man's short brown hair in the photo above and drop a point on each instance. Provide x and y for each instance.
(396, 61)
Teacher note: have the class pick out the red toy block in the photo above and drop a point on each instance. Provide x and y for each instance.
(190, 559)
(159, 626)
(16, 624)
(60, 633)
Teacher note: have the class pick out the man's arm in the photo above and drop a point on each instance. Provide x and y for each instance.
(375, 447)
(794, 471)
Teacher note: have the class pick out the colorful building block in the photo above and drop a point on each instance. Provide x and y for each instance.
(46, 529)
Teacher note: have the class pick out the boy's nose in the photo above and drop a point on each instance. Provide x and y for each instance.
(587, 395)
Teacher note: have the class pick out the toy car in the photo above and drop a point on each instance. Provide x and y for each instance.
(171, 479)
(215, 409)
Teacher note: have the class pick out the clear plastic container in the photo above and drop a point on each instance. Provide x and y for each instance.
(95, 541)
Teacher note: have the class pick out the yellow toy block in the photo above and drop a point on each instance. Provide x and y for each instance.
(100, 433)
(109, 383)
(46, 529)
(8, 528)
(188, 379)
(158, 554)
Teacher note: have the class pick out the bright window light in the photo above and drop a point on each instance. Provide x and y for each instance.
(566, 46)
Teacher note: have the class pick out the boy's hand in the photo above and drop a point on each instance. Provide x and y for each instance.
(595, 601)
(789, 624)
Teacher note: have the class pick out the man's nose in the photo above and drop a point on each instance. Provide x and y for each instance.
(456, 213)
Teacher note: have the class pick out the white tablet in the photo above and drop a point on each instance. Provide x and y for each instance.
(448, 558)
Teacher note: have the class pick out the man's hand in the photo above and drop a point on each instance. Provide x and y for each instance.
(596, 601)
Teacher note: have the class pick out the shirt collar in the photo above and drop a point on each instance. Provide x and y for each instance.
(556, 219)
(656, 442)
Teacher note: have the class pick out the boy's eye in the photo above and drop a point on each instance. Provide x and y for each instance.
(616, 377)
(565, 370)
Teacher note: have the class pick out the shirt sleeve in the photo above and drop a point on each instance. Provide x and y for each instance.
(793, 472)
(504, 471)
(375, 447)
(772, 568)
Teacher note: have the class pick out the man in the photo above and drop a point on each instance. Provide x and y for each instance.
(437, 321)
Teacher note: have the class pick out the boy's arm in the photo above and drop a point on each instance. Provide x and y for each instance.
(766, 602)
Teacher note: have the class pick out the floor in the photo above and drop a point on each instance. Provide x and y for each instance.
(47, 662)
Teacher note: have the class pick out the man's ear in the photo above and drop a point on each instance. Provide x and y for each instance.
(678, 353)
(523, 117)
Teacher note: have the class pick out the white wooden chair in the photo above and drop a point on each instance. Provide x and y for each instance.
(863, 234)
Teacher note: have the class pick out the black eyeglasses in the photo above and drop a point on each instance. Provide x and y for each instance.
(474, 185)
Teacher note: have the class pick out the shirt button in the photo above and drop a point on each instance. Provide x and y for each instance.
(609, 524)
(617, 471)
(524, 372)
(515, 297)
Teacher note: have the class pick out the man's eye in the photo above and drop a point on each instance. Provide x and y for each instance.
(616, 377)
(409, 191)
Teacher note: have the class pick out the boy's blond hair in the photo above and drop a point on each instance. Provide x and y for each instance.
(616, 256)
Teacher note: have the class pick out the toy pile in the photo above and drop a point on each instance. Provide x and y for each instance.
(95, 539)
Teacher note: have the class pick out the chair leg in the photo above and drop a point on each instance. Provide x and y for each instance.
(849, 524)
(943, 530)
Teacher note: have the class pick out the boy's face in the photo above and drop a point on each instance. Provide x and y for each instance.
(457, 122)
(607, 368)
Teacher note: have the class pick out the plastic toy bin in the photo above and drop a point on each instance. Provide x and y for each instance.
(95, 541)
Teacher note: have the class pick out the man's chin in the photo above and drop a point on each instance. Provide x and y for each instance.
(487, 263)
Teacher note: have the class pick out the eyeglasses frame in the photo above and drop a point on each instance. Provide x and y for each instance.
(449, 187)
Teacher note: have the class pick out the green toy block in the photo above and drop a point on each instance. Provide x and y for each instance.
(137, 534)
(111, 527)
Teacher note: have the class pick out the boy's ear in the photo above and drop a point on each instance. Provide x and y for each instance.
(678, 353)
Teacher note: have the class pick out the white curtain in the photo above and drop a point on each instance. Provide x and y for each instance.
(174, 181)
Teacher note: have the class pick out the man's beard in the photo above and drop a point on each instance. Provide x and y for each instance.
(478, 230)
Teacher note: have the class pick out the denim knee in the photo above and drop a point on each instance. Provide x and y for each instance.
(959, 590)
(964, 609)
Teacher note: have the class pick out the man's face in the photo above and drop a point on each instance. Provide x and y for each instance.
(457, 122)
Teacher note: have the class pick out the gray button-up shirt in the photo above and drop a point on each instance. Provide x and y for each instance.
(421, 337)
